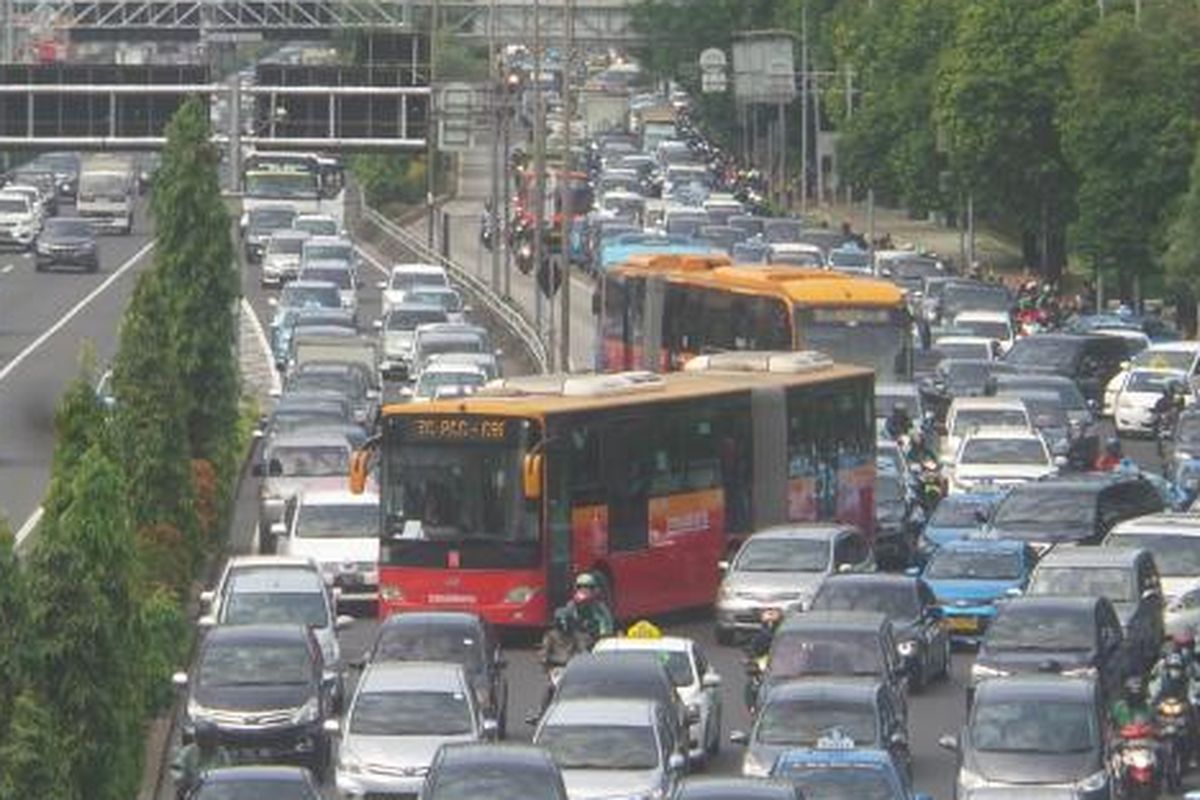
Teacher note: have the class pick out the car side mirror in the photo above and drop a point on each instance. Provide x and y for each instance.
(1013, 591)
(377, 324)
(948, 741)
(1149, 594)
(179, 680)
(723, 566)
(676, 762)
(343, 621)
(273, 301)
(1061, 461)
(844, 568)
(331, 727)
(912, 571)
(711, 680)
(207, 597)
(278, 529)
(207, 621)
(739, 737)
(898, 739)
(490, 729)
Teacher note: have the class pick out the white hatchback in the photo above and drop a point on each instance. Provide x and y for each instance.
(997, 458)
(1134, 409)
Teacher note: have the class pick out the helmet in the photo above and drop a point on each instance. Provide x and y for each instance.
(586, 580)
(207, 735)
(1173, 661)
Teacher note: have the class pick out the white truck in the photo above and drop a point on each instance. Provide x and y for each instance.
(605, 111)
(107, 191)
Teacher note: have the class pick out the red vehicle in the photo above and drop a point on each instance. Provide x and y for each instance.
(494, 502)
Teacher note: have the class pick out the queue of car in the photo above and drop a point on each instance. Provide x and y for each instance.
(32, 218)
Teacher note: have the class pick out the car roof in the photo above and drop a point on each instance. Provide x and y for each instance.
(1182, 346)
(830, 620)
(955, 339)
(846, 689)
(896, 389)
(982, 316)
(339, 497)
(257, 634)
(1177, 523)
(619, 711)
(275, 578)
(730, 787)
(960, 403)
(983, 546)
(415, 269)
(857, 757)
(1001, 432)
(412, 305)
(627, 644)
(451, 328)
(255, 772)
(1046, 686)
(1049, 603)
(871, 579)
(303, 283)
(290, 233)
(430, 619)
(1090, 557)
(452, 368)
(496, 753)
(303, 438)
(1077, 481)
(816, 531)
(327, 238)
(1032, 379)
(412, 676)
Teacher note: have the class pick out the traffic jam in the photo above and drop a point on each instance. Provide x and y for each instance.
(852, 470)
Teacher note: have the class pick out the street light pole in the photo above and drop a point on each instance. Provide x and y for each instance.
(564, 317)
(539, 163)
(497, 78)
(431, 134)
(804, 106)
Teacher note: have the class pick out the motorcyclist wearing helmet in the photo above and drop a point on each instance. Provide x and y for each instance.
(1110, 459)
(1132, 707)
(560, 643)
(202, 754)
(588, 608)
(757, 649)
(899, 423)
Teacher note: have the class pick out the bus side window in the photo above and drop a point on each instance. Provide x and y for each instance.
(772, 330)
(626, 452)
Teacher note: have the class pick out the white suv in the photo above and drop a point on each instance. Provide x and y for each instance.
(340, 531)
(19, 222)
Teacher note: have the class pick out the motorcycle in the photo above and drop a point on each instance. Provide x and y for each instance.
(756, 668)
(1138, 767)
(1175, 731)
(931, 484)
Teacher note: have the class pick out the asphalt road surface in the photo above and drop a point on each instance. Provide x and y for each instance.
(45, 320)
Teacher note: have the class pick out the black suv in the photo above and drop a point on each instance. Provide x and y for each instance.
(1077, 508)
(1089, 360)
(266, 689)
(455, 637)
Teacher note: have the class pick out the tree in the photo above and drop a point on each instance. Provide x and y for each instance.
(890, 143)
(150, 423)
(194, 257)
(84, 634)
(79, 422)
(33, 757)
(998, 91)
(1127, 130)
(1182, 256)
(13, 651)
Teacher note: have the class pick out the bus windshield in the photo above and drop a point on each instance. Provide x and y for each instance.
(879, 338)
(456, 481)
(278, 185)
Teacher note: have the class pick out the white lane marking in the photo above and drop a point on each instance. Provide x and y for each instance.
(261, 334)
(74, 312)
(375, 262)
(7, 269)
(29, 525)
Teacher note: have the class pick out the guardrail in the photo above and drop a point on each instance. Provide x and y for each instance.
(505, 312)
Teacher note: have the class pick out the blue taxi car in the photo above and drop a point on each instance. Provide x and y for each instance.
(969, 576)
(957, 516)
(832, 772)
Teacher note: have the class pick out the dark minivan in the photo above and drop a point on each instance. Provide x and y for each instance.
(1089, 360)
(1078, 509)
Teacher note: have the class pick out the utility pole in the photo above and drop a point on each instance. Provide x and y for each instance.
(816, 93)
(564, 317)
(804, 106)
(497, 179)
(849, 116)
(9, 31)
(539, 163)
(431, 155)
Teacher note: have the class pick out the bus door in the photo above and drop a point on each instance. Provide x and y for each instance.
(648, 337)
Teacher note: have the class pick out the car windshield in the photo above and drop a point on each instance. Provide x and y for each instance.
(431, 381)
(271, 219)
(341, 278)
(408, 319)
(317, 226)
(625, 747)
(1068, 394)
(332, 521)
(430, 345)
(979, 450)
(244, 788)
(475, 781)
(1043, 352)
(1115, 583)
(802, 723)
(250, 664)
(1148, 381)
(1175, 556)
(962, 373)
(298, 185)
(834, 652)
(1020, 627)
(967, 418)
(411, 713)
(407, 280)
(329, 252)
(12, 205)
(964, 350)
(976, 297)
(827, 782)
(986, 328)
(423, 643)
(310, 296)
(1035, 726)
(952, 513)
(310, 462)
(450, 301)
(896, 599)
(958, 565)
(69, 227)
(243, 607)
(1059, 515)
(1046, 412)
(1165, 359)
(782, 555)
(285, 245)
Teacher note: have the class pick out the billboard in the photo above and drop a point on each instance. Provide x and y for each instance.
(764, 67)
